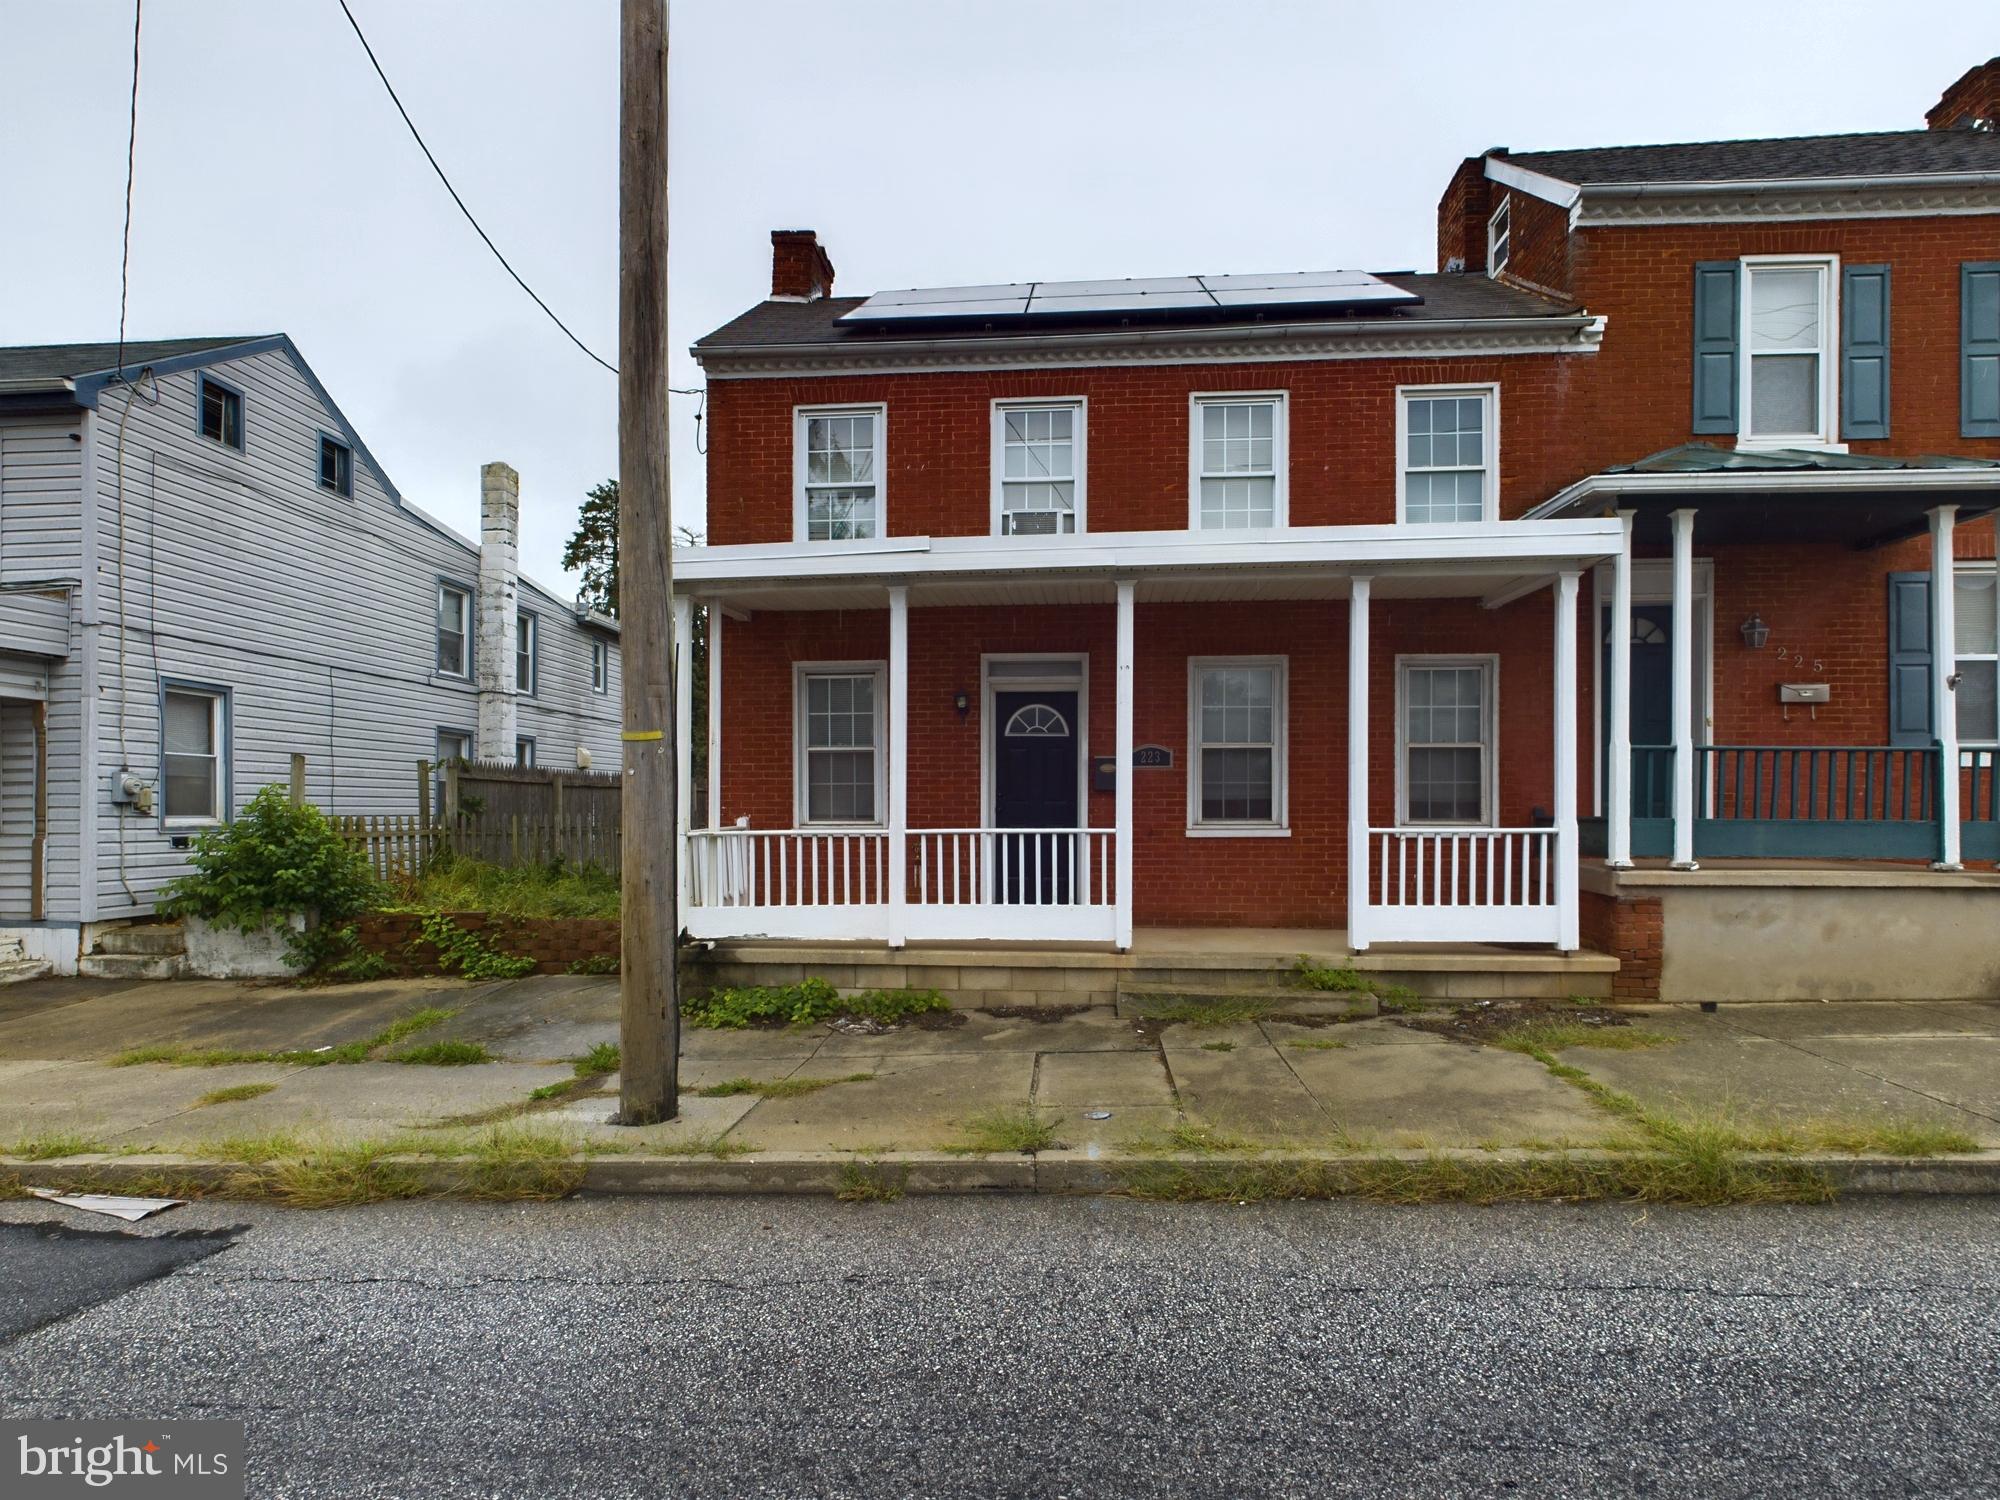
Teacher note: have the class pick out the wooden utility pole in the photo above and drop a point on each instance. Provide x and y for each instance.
(650, 1018)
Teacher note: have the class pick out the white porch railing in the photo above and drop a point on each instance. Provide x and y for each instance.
(1462, 885)
(1048, 884)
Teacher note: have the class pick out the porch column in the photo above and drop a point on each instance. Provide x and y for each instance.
(1357, 762)
(683, 684)
(1944, 680)
(1122, 775)
(1683, 648)
(899, 760)
(1618, 749)
(1567, 922)
(714, 715)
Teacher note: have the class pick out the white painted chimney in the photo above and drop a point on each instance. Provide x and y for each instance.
(499, 608)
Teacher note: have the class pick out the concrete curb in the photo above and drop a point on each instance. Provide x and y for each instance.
(937, 1173)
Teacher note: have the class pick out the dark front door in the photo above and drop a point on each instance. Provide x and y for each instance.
(1034, 786)
(1652, 707)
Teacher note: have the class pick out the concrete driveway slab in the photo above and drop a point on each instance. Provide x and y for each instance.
(1445, 1093)
(914, 1104)
(1098, 1078)
(545, 1019)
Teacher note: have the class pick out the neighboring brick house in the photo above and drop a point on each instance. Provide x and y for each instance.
(1288, 601)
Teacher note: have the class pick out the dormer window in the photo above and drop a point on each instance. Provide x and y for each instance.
(1499, 236)
(1788, 324)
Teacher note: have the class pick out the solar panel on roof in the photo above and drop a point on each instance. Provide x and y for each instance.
(1142, 294)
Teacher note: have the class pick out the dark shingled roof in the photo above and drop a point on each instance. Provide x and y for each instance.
(1892, 153)
(1445, 297)
(55, 363)
(1706, 458)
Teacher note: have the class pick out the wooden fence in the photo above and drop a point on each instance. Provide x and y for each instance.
(501, 814)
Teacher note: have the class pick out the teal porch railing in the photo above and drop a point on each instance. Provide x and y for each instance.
(1810, 802)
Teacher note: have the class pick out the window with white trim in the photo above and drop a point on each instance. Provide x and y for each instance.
(840, 736)
(1445, 729)
(1236, 773)
(453, 744)
(1038, 468)
(1788, 330)
(193, 734)
(1447, 457)
(839, 467)
(600, 666)
(524, 750)
(527, 653)
(1499, 236)
(1976, 657)
(1238, 462)
(454, 630)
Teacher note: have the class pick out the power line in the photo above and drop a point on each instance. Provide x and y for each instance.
(418, 137)
(131, 158)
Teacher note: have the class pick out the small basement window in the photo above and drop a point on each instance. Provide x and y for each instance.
(336, 466)
(221, 410)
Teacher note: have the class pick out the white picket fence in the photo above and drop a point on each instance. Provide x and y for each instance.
(1461, 885)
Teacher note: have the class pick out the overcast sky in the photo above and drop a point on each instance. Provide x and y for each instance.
(929, 142)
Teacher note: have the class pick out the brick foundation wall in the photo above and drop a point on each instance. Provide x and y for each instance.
(553, 942)
(1633, 931)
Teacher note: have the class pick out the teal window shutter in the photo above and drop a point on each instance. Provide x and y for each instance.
(1910, 659)
(1864, 352)
(1717, 288)
(1979, 359)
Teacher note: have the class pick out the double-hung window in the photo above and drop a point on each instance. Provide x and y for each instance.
(1444, 771)
(527, 653)
(838, 460)
(1038, 468)
(600, 666)
(1236, 730)
(1499, 236)
(1238, 462)
(1976, 659)
(221, 409)
(193, 743)
(1788, 366)
(524, 751)
(336, 466)
(454, 630)
(839, 737)
(1448, 452)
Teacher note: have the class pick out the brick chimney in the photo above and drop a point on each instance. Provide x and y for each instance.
(1462, 213)
(498, 609)
(800, 270)
(1971, 103)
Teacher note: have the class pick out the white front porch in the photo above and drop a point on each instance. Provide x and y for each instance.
(907, 881)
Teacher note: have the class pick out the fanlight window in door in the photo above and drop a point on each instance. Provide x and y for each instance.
(1036, 721)
(1644, 632)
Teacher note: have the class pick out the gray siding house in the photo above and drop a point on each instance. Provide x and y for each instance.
(202, 572)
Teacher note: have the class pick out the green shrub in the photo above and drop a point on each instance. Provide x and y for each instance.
(276, 859)
(803, 1003)
(469, 953)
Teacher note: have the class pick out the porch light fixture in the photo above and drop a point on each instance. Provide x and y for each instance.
(1756, 634)
(961, 701)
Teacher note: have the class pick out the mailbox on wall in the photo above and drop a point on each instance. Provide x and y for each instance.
(1804, 692)
(1104, 773)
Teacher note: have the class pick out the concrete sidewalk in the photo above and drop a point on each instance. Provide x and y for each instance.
(1108, 1085)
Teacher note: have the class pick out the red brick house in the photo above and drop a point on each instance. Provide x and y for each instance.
(1592, 591)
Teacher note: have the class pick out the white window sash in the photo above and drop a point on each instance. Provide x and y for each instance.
(1826, 352)
(1488, 395)
(527, 654)
(447, 594)
(1076, 479)
(1488, 744)
(804, 673)
(805, 489)
(1198, 471)
(1991, 572)
(1499, 236)
(212, 757)
(1278, 745)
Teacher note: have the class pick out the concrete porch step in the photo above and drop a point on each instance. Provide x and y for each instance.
(131, 965)
(18, 970)
(153, 939)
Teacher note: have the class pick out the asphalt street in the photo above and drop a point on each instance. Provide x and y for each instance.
(689, 1347)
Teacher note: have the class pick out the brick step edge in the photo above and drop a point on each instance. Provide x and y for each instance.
(923, 1173)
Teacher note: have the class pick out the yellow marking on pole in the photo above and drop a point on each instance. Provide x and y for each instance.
(643, 734)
